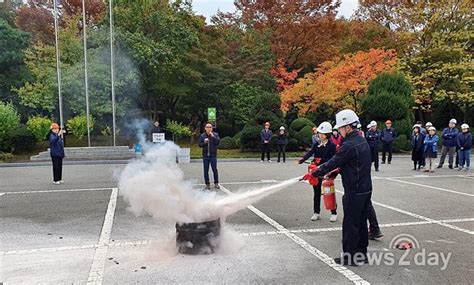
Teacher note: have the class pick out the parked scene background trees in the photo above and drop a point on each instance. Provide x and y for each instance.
(264, 62)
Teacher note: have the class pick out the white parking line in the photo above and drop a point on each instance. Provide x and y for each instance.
(57, 190)
(1, 194)
(431, 187)
(465, 176)
(350, 275)
(96, 273)
(250, 234)
(433, 221)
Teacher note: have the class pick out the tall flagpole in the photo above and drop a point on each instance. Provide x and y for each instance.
(58, 63)
(112, 74)
(86, 81)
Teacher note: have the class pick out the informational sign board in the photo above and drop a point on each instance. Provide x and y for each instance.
(211, 114)
(158, 137)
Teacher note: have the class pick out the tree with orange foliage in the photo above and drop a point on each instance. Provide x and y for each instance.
(339, 82)
(284, 78)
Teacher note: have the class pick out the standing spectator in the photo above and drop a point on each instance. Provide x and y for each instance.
(388, 137)
(423, 131)
(336, 138)
(373, 138)
(315, 137)
(324, 150)
(431, 148)
(266, 137)
(156, 129)
(361, 132)
(209, 141)
(417, 140)
(56, 150)
(282, 141)
(449, 143)
(464, 141)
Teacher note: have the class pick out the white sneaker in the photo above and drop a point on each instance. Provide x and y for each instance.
(315, 217)
(269, 161)
(262, 161)
(60, 181)
(56, 182)
(333, 218)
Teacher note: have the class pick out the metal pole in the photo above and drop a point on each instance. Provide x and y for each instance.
(112, 75)
(86, 82)
(58, 63)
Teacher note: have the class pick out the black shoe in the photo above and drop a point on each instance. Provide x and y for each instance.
(383, 162)
(216, 185)
(345, 261)
(377, 169)
(375, 235)
(439, 166)
(208, 187)
(450, 167)
(389, 162)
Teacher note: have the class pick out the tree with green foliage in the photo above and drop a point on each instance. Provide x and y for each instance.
(39, 126)
(13, 43)
(78, 125)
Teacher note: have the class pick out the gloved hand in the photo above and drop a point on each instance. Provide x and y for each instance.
(301, 161)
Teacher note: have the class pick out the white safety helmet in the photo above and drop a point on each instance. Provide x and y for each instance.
(429, 124)
(464, 126)
(345, 117)
(432, 129)
(325, 128)
(373, 124)
(282, 128)
(453, 121)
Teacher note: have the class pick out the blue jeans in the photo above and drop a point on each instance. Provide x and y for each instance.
(210, 160)
(464, 158)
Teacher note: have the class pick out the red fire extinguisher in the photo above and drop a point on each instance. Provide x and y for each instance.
(312, 167)
(329, 191)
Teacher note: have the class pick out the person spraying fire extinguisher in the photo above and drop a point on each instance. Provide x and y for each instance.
(354, 161)
(322, 151)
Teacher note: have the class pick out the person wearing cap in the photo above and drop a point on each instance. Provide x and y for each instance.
(464, 140)
(56, 150)
(417, 140)
(266, 138)
(387, 137)
(282, 141)
(449, 143)
(324, 150)
(431, 148)
(336, 138)
(373, 138)
(354, 161)
(209, 141)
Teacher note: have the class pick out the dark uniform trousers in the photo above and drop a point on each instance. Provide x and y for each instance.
(355, 236)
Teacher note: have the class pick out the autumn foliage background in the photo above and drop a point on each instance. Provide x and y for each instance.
(275, 61)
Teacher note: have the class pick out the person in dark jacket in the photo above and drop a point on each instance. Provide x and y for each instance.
(56, 150)
(464, 141)
(387, 137)
(373, 138)
(354, 161)
(449, 143)
(156, 129)
(266, 138)
(209, 141)
(417, 141)
(282, 141)
(324, 150)
(431, 148)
